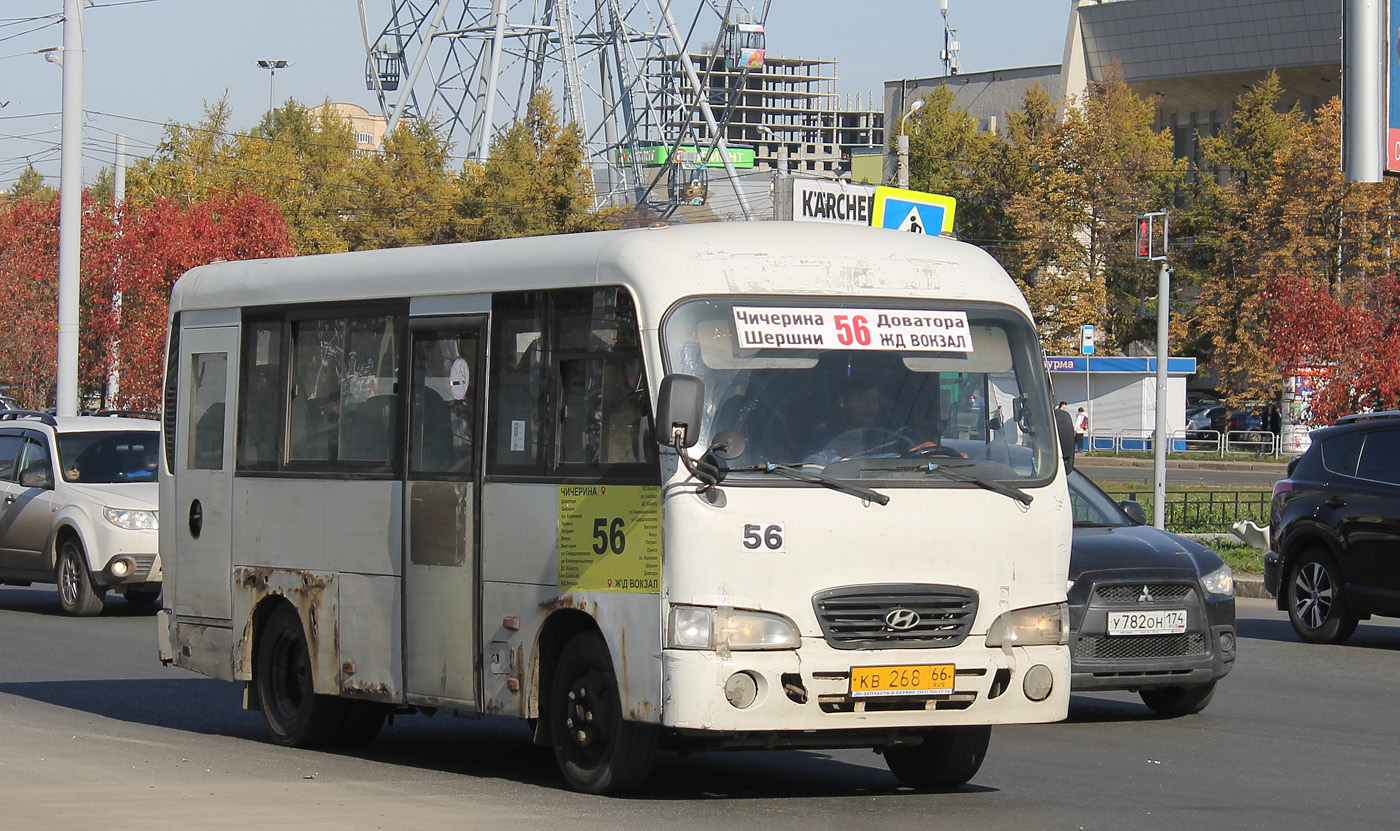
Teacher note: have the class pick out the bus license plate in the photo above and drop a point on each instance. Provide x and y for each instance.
(910, 680)
(1155, 622)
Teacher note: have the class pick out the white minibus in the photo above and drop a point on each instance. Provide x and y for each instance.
(744, 485)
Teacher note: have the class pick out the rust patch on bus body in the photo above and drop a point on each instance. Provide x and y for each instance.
(312, 595)
(568, 601)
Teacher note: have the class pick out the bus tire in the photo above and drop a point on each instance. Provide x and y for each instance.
(596, 749)
(76, 593)
(295, 715)
(947, 758)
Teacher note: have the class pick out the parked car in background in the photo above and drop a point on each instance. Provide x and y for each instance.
(1150, 611)
(1334, 524)
(1196, 399)
(79, 507)
(8, 402)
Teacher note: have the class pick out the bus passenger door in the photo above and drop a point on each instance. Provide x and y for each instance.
(199, 574)
(441, 513)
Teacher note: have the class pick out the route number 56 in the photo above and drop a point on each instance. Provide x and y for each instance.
(608, 536)
(765, 537)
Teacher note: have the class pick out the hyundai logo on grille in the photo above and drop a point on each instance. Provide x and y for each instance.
(902, 619)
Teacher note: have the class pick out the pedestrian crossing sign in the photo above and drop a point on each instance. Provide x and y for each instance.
(913, 211)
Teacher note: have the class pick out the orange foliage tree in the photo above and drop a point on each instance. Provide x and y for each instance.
(130, 260)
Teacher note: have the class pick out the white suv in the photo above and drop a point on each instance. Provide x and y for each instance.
(91, 527)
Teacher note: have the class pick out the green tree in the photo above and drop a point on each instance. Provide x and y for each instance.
(947, 155)
(535, 182)
(406, 193)
(1235, 232)
(1079, 183)
(31, 184)
(306, 164)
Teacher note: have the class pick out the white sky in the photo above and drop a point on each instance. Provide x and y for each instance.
(148, 62)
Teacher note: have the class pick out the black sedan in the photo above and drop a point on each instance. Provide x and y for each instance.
(1150, 611)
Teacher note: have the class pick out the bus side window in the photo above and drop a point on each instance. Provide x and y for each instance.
(260, 400)
(206, 450)
(517, 366)
(604, 413)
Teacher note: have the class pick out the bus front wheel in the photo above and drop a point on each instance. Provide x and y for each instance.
(295, 715)
(947, 758)
(597, 750)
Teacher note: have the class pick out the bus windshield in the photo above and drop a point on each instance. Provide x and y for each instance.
(871, 391)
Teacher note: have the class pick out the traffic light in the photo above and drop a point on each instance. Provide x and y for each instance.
(1144, 237)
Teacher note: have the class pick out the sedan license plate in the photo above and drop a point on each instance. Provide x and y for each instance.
(909, 680)
(1153, 622)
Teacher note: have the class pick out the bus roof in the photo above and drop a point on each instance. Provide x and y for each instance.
(660, 265)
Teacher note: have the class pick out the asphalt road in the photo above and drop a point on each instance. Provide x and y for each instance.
(94, 733)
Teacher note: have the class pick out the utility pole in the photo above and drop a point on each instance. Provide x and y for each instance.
(1146, 250)
(949, 56)
(114, 378)
(70, 210)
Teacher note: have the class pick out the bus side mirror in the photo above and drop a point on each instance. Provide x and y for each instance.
(680, 406)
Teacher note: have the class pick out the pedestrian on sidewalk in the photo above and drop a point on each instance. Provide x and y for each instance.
(1081, 430)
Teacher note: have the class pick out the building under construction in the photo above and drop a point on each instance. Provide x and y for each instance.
(789, 109)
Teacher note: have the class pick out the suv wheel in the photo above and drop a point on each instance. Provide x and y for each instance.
(76, 592)
(1317, 606)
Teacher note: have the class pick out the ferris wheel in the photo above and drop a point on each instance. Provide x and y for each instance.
(621, 69)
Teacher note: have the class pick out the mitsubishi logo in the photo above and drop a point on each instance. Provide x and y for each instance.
(1146, 596)
(902, 619)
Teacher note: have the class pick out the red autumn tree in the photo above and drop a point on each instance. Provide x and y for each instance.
(29, 298)
(151, 247)
(1349, 342)
(129, 263)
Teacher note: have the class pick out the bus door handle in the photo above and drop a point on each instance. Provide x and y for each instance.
(196, 518)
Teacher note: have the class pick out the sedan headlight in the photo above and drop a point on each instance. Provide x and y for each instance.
(1221, 581)
(707, 627)
(1036, 626)
(132, 520)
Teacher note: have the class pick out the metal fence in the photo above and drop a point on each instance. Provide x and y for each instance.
(1201, 512)
(1237, 442)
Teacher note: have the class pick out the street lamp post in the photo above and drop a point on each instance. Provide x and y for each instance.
(903, 144)
(272, 67)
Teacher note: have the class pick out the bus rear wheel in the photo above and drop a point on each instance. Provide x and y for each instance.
(947, 758)
(295, 715)
(597, 750)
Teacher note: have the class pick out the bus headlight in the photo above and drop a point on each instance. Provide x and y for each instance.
(1036, 626)
(707, 627)
(1221, 581)
(132, 520)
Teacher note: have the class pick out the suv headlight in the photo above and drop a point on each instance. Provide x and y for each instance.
(132, 520)
(1221, 581)
(1036, 626)
(707, 627)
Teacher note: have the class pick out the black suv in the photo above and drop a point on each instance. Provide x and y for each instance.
(1334, 529)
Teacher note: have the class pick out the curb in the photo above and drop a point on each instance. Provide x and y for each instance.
(1251, 585)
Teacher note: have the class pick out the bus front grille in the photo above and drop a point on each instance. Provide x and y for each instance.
(900, 616)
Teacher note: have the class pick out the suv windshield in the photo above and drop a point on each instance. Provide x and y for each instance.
(1092, 506)
(107, 458)
(871, 391)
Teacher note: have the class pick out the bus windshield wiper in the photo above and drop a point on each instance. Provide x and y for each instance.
(953, 472)
(814, 478)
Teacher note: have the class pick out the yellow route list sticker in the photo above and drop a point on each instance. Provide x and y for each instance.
(610, 538)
